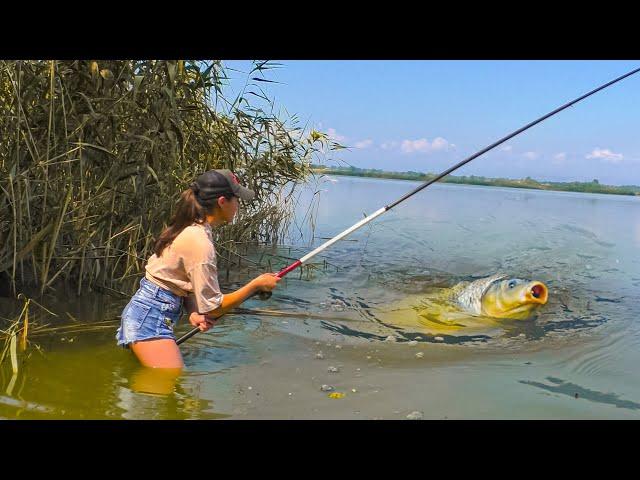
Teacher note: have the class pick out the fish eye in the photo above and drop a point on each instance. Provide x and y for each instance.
(512, 284)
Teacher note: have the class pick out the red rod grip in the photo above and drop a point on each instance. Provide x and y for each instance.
(281, 273)
(286, 270)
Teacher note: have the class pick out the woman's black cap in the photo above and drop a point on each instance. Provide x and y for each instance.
(211, 185)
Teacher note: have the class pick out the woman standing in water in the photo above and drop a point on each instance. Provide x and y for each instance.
(184, 266)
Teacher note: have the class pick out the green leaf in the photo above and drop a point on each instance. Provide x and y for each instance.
(263, 80)
(153, 173)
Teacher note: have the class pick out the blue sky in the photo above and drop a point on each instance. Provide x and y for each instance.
(428, 115)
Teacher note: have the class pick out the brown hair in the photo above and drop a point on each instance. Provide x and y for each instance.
(188, 211)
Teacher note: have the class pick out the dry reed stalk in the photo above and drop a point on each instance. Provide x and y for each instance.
(119, 142)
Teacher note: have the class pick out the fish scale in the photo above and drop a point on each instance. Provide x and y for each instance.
(470, 299)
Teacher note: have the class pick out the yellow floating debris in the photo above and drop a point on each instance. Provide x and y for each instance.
(336, 395)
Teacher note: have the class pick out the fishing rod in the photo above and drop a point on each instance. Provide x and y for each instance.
(386, 208)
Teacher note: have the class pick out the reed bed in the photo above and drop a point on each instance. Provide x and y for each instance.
(95, 154)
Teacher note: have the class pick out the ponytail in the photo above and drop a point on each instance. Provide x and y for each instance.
(188, 212)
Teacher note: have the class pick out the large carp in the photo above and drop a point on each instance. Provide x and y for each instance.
(501, 297)
(472, 305)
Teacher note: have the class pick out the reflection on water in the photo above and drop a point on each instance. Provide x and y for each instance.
(157, 381)
(576, 391)
(154, 394)
(95, 381)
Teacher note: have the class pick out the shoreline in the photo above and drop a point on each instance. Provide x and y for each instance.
(528, 183)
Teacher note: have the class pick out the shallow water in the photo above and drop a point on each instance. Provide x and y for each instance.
(577, 359)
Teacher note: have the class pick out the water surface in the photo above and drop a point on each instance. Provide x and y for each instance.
(577, 359)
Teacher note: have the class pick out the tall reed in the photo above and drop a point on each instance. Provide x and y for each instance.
(95, 153)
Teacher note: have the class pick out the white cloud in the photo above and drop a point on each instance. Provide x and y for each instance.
(388, 145)
(364, 143)
(506, 148)
(606, 155)
(559, 158)
(424, 146)
(333, 135)
(410, 146)
(530, 155)
(439, 143)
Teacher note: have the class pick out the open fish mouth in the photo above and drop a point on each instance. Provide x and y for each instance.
(537, 292)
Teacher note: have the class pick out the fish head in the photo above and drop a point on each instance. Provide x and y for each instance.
(514, 298)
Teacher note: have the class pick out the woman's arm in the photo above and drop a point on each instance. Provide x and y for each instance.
(265, 282)
(197, 319)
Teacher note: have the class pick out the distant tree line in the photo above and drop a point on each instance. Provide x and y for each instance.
(593, 186)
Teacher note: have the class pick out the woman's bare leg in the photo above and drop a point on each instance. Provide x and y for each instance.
(159, 353)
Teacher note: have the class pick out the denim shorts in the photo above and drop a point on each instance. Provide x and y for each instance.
(152, 313)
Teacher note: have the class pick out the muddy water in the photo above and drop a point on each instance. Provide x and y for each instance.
(577, 359)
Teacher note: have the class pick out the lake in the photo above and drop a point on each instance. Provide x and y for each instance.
(329, 325)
